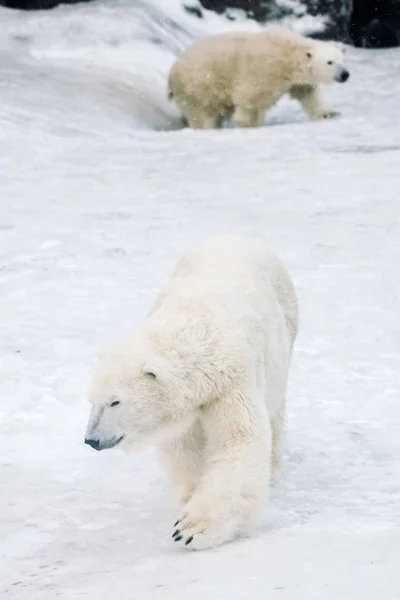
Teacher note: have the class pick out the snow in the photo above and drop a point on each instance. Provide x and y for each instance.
(96, 207)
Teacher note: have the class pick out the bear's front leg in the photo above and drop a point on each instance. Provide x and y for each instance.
(236, 474)
(183, 458)
(310, 98)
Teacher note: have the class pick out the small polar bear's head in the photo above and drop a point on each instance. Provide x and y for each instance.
(325, 64)
(136, 396)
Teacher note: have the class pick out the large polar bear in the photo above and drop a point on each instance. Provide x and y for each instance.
(205, 377)
(241, 75)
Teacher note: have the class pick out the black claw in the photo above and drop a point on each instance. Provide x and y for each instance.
(177, 523)
(188, 540)
(178, 538)
(177, 532)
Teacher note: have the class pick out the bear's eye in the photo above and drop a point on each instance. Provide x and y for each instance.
(150, 374)
(115, 403)
(330, 62)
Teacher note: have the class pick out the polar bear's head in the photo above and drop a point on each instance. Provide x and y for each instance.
(137, 395)
(325, 64)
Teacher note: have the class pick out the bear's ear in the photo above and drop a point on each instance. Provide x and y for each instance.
(309, 54)
(156, 368)
(150, 374)
(151, 370)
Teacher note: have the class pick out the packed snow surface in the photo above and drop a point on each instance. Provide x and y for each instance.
(100, 194)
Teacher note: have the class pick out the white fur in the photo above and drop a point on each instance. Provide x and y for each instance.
(205, 376)
(243, 74)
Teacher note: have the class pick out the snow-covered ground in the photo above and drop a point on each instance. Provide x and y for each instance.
(95, 208)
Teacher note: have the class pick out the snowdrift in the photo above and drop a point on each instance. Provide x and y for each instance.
(117, 53)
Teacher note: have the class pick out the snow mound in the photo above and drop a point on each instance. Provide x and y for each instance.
(119, 54)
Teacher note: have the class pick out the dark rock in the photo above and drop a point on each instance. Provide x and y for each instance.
(378, 34)
(365, 23)
(193, 10)
(375, 23)
(335, 13)
(255, 9)
(36, 4)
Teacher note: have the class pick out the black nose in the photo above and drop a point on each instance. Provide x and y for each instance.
(344, 75)
(94, 443)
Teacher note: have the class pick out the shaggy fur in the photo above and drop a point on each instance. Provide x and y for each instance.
(205, 378)
(241, 75)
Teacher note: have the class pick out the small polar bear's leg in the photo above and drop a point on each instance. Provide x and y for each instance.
(246, 117)
(236, 474)
(183, 458)
(311, 101)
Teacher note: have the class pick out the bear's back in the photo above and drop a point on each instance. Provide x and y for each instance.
(242, 270)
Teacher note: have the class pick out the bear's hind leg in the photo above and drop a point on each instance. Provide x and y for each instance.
(183, 458)
(311, 101)
(248, 117)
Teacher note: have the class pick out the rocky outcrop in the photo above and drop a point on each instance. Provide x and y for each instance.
(35, 4)
(365, 23)
(375, 23)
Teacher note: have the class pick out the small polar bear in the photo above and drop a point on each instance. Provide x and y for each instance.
(205, 378)
(242, 75)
